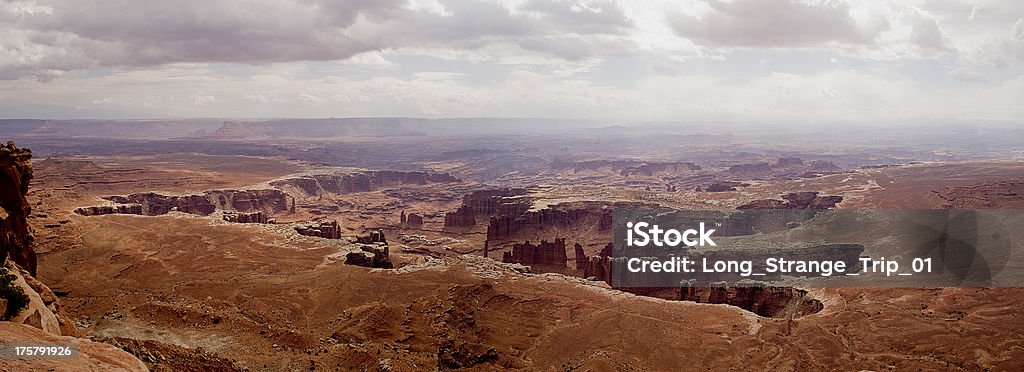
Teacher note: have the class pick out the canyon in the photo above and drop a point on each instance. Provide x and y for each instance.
(237, 246)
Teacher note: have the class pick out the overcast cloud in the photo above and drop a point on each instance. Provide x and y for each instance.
(600, 59)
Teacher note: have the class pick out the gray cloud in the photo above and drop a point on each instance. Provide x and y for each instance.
(774, 23)
(47, 38)
(967, 75)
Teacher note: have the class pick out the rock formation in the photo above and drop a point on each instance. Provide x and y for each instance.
(497, 201)
(505, 227)
(724, 186)
(462, 217)
(15, 236)
(320, 229)
(153, 204)
(788, 162)
(796, 200)
(987, 194)
(598, 267)
(413, 219)
(823, 165)
(246, 217)
(92, 356)
(372, 236)
(545, 254)
(373, 251)
(98, 210)
(777, 302)
(370, 255)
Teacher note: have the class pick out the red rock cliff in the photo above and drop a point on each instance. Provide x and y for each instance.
(15, 236)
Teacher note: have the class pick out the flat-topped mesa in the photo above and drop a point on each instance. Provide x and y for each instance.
(360, 181)
(267, 201)
(796, 200)
(321, 229)
(498, 201)
(15, 236)
(99, 210)
(546, 253)
(487, 203)
(788, 162)
(560, 215)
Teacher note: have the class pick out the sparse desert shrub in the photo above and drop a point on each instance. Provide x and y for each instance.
(15, 296)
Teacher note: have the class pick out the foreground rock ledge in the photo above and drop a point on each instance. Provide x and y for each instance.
(92, 356)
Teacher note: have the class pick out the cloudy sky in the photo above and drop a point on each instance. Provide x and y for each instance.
(595, 59)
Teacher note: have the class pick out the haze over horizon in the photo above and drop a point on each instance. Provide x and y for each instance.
(744, 60)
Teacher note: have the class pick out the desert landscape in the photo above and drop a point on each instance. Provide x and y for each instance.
(437, 185)
(363, 250)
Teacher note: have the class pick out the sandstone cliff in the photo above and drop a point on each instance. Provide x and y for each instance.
(543, 254)
(15, 236)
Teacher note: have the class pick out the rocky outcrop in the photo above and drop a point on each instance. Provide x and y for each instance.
(776, 302)
(411, 219)
(987, 194)
(91, 356)
(796, 200)
(373, 251)
(15, 236)
(560, 215)
(370, 255)
(487, 203)
(788, 162)
(823, 165)
(465, 216)
(544, 254)
(724, 186)
(169, 357)
(462, 217)
(109, 209)
(498, 201)
(597, 267)
(25, 300)
(372, 236)
(253, 200)
(246, 217)
(320, 229)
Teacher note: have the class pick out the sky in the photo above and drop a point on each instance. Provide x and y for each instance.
(629, 60)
